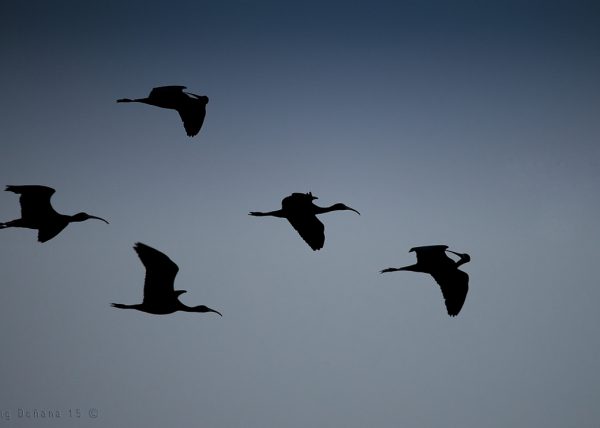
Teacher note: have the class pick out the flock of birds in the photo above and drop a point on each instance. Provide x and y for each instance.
(160, 296)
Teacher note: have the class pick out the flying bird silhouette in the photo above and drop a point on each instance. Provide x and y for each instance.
(454, 283)
(300, 211)
(37, 212)
(160, 297)
(191, 107)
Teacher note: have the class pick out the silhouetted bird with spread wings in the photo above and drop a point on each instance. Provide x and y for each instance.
(454, 283)
(191, 107)
(160, 297)
(300, 211)
(37, 212)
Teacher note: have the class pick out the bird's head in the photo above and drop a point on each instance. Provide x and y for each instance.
(85, 216)
(340, 207)
(203, 309)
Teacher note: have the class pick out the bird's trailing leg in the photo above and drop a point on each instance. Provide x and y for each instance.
(122, 306)
(277, 213)
(13, 223)
(410, 268)
(129, 100)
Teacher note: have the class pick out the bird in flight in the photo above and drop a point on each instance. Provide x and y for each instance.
(432, 259)
(191, 107)
(299, 210)
(37, 212)
(160, 297)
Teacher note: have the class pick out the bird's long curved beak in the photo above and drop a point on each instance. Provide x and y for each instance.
(454, 252)
(352, 209)
(216, 312)
(99, 218)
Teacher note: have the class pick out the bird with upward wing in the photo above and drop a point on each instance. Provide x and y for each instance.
(432, 259)
(37, 212)
(191, 107)
(299, 210)
(160, 296)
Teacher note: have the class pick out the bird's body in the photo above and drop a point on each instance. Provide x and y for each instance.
(191, 107)
(160, 297)
(301, 212)
(454, 283)
(37, 212)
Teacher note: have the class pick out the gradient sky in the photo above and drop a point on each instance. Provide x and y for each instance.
(473, 124)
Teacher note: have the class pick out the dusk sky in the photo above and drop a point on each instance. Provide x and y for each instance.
(472, 124)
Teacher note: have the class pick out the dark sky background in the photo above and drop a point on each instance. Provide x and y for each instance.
(473, 124)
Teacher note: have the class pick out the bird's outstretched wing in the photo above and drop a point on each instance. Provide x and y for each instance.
(192, 118)
(162, 91)
(50, 230)
(35, 201)
(300, 214)
(432, 256)
(455, 285)
(310, 229)
(160, 274)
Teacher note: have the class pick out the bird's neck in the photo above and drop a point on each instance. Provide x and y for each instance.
(185, 308)
(322, 210)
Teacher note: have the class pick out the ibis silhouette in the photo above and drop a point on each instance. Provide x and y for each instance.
(160, 297)
(299, 210)
(432, 259)
(37, 212)
(191, 107)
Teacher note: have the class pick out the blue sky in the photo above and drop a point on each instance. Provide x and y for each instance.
(472, 125)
